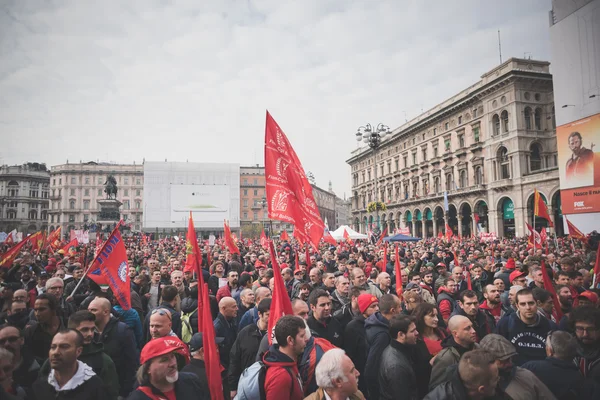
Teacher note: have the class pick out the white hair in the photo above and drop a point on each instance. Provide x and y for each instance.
(330, 368)
(50, 282)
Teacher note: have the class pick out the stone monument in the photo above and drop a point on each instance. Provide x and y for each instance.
(109, 214)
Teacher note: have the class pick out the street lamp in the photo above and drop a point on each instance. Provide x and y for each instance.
(373, 136)
(264, 203)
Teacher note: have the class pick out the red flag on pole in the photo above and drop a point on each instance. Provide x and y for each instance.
(469, 284)
(54, 238)
(211, 355)
(281, 304)
(289, 194)
(383, 235)
(110, 268)
(550, 288)
(193, 259)
(449, 233)
(264, 243)
(7, 258)
(37, 241)
(284, 237)
(540, 209)
(347, 237)
(70, 248)
(229, 242)
(327, 238)
(398, 271)
(574, 232)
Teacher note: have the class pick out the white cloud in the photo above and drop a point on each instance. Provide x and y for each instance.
(191, 80)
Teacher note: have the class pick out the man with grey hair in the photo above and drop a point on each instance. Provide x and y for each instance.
(341, 295)
(196, 365)
(251, 316)
(337, 378)
(557, 371)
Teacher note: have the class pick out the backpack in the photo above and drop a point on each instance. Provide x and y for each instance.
(251, 385)
(186, 328)
(314, 350)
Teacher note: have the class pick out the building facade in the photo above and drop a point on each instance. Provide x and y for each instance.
(253, 203)
(487, 148)
(342, 212)
(325, 200)
(24, 192)
(76, 188)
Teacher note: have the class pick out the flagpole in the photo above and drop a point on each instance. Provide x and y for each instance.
(86, 270)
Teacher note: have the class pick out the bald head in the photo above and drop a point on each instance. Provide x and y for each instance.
(462, 330)
(228, 307)
(100, 307)
(456, 321)
(262, 293)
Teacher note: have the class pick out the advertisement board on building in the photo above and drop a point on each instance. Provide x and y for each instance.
(173, 189)
(579, 165)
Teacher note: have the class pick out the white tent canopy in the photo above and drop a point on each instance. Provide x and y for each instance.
(338, 234)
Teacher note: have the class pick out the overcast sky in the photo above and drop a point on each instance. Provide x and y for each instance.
(190, 80)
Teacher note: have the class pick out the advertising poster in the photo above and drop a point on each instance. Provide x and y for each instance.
(579, 165)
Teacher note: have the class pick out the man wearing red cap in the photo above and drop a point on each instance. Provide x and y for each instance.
(158, 374)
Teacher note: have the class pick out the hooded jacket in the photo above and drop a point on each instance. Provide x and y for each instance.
(378, 338)
(450, 355)
(94, 357)
(84, 385)
(529, 340)
(282, 380)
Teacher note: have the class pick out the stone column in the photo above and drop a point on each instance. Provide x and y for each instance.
(424, 222)
(474, 228)
(435, 228)
(460, 229)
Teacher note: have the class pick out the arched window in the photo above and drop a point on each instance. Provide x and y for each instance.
(535, 157)
(527, 113)
(72, 204)
(448, 182)
(436, 184)
(11, 214)
(496, 124)
(32, 214)
(478, 176)
(538, 119)
(504, 117)
(44, 216)
(503, 163)
(463, 179)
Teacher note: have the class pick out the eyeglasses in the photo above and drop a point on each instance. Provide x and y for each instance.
(590, 330)
(162, 312)
(10, 339)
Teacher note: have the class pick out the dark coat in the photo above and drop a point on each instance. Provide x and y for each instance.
(355, 345)
(188, 305)
(28, 371)
(562, 377)
(175, 321)
(243, 352)
(92, 389)
(397, 379)
(188, 386)
(453, 389)
(198, 368)
(119, 345)
(483, 324)
(38, 340)
(332, 330)
(228, 331)
(378, 338)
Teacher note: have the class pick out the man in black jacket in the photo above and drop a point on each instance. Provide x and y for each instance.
(226, 327)
(244, 350)
(468, 306)
(397, 376)
(321, 322)
(170, 295)
(26, 366)
(197, 365)
(355, 343)
(158, 375)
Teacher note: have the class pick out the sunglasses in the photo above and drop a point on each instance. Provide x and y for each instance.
(162, 312)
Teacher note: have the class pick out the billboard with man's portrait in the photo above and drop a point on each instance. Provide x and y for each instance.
(579, 165)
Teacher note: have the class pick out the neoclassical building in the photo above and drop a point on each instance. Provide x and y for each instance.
(488, 147)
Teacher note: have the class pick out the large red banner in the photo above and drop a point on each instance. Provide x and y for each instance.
(289, 193)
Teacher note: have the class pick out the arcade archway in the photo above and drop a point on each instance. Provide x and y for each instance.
(506, 217)
(466, 221)
(557, 214)
(409, 221)
(428, 216)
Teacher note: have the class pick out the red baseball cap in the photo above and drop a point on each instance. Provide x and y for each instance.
(516, 274)
(164, 345)
(591, 296)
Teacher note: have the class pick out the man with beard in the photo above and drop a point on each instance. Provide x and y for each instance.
(565, 298)
(321, 322)
(359, 279)
(491, 304)
(461, 340)
(585, 322)
(18, 314)
(69, 378)
(26, 367)
(517, 382)
(581, 163)
(340, 296)
(446, 298)
(81, 293)
(158, 374)
(39, 333)
(177, 279)
(230, 287)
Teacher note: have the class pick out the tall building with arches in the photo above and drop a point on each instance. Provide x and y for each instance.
(488, 148)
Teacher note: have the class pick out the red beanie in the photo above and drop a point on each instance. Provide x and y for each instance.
(365, 300)
(510, 264)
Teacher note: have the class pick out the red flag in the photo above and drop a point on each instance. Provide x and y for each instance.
(54, 238)
(476, 218)
(449, 233)
(145, 239)
(534, 237)
(7, 258)
(469, 284)
(99, 243)
(440, 235)
(263, 240)
(327, 238)
(229, 242)
(297, 236)
(289, 193)
(574, 232)
(398, 274)
(110, 268)
(211, 355)
(296, 259)
(284, 237)
(37, 241)
(540, 209)
(71, 248)
(596, 277)
(550, 288)
(193, 259)
(385, 260)
(383, 235)
(307, 254)
(347, 237)
(10, 238)
(281, 304)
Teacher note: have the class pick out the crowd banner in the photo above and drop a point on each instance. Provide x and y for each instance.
(579, 165)
(81, 235)
(487, 236)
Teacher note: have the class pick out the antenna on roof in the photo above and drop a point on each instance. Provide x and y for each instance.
(499, 46)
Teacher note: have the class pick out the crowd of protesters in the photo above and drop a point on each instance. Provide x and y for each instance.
(473, 320)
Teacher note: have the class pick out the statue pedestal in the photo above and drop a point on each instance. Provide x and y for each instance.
(109, 212)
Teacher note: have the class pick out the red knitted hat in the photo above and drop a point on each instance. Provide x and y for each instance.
(365, 300)
(510, 264)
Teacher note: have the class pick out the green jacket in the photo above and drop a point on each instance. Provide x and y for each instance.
(94, 356)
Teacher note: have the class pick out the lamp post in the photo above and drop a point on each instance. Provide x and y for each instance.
(373, 136)
(264, 204)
